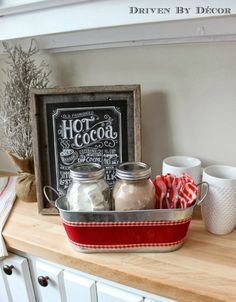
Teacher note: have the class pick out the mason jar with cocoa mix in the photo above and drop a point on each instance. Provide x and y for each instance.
(133, 189)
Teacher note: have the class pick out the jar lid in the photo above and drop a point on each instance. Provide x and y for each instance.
(86, 171)
(133, 171)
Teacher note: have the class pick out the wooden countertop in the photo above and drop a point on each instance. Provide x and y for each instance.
(204, 269)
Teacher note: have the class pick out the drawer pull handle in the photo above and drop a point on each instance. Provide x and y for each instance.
(43, 281)
(8, 269)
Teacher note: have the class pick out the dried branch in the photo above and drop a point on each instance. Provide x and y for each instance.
(22, 75)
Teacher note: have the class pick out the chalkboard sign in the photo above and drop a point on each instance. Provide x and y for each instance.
(88, 124)
(86, 134)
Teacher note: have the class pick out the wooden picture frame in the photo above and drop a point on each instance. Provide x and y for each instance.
(70, 123)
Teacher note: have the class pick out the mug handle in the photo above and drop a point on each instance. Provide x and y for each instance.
(45, 188)
(198, 202)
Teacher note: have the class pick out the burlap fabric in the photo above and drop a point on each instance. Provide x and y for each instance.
(25, 186)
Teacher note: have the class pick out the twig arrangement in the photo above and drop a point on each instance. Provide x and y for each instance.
(22, 74)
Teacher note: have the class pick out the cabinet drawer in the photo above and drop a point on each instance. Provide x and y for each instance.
(107, 293)
(49, 282)
(18, 279)
(79, 287)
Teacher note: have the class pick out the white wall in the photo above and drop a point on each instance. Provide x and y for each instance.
(188, 95)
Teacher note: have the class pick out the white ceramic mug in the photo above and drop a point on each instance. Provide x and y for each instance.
(183, 164)
(219, 208)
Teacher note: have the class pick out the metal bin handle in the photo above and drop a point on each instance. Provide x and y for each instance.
(45, 188)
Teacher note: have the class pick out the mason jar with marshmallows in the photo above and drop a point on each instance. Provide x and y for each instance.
(88, 190)
(133, 189)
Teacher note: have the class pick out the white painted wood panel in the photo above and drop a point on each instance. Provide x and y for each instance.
(54, 291)
(67, 285)
(77, 286)
(19, 6)
(4, 290)
(185, 31)
(19, 282)
(108, 293)
(159, 299)
(97, 24)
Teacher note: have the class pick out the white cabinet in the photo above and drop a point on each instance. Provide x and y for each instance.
(18, 281)
(159, 299)
(78, 286)
(4, 290)
(55, 283)
(107, 293)
(49, 282)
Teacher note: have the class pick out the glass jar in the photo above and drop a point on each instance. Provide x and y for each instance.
(133, 189)
(88, 190)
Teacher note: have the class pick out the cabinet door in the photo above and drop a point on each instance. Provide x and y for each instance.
(107, 293)
(18, 279)
(4, 289)
(159, 299)
(79, 287)
(49, 282)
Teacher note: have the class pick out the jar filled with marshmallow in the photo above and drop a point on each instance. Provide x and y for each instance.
(88, 190)
(133, 189)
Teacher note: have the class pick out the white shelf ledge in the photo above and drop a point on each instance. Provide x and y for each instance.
(60, 26)
(21, 6)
